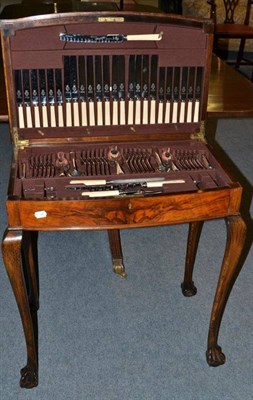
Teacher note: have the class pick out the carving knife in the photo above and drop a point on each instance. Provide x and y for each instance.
(151, 182)
(110, 38)
(120, 192)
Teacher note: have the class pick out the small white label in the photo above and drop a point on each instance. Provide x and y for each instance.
(40, 214)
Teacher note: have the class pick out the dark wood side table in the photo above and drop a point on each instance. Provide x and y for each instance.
(230, 93)
(27, 216)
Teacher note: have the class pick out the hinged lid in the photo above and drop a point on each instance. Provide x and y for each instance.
(97, 77)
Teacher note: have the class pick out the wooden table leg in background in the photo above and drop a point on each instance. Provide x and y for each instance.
(12, 255)
(116, 252)
(236, 235)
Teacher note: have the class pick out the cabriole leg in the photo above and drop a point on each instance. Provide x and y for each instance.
(187, 286)
(30, 264)
(12, 251)
(116, 251)
(236, 234)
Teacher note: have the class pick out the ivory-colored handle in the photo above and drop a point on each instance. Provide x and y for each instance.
(52, 116)
(60, 116)
(160, 184)
(130, 119)
(68, 114)
(122, 115)
(91, 113)
(76, 114)
(107, 113)
(99, 113)
(29, 117)
(36, 117)
(196, 111)
(92, 182)
(103, 193)
(44, 117)
(153, 36)
(21, 117)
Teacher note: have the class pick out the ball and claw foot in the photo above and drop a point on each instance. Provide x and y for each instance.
(215, 357)
(188, 290)
(29, 377)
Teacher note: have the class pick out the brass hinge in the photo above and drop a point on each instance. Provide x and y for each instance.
(17, 142)
(200, 134)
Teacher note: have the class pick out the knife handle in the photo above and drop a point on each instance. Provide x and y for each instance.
(21, 117)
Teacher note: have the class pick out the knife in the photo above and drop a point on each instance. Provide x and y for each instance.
(175, 94)
(99, 182)
(82, 89)
(110, 38)
(74, 89)
(35, 97)
(190, 93)
(137, 88)
(198, 93)
(51, 97)
(122, 90)
(169, 77)
(67, 90)
(183, 92)
(43, 97)
(145, 78)
(59, 99)
(153, 88)
(115, 86)
(90, 90)
(19, 98)
(118, 192)
(98, 89)
(161, 86)
(131, 72)
(106, 89)
(27, 98)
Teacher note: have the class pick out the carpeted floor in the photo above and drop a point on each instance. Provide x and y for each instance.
(104, 338)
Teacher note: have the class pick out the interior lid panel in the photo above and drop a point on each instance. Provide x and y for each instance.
(133, 74)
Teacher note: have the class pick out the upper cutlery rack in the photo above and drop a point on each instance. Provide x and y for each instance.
(108, 90)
